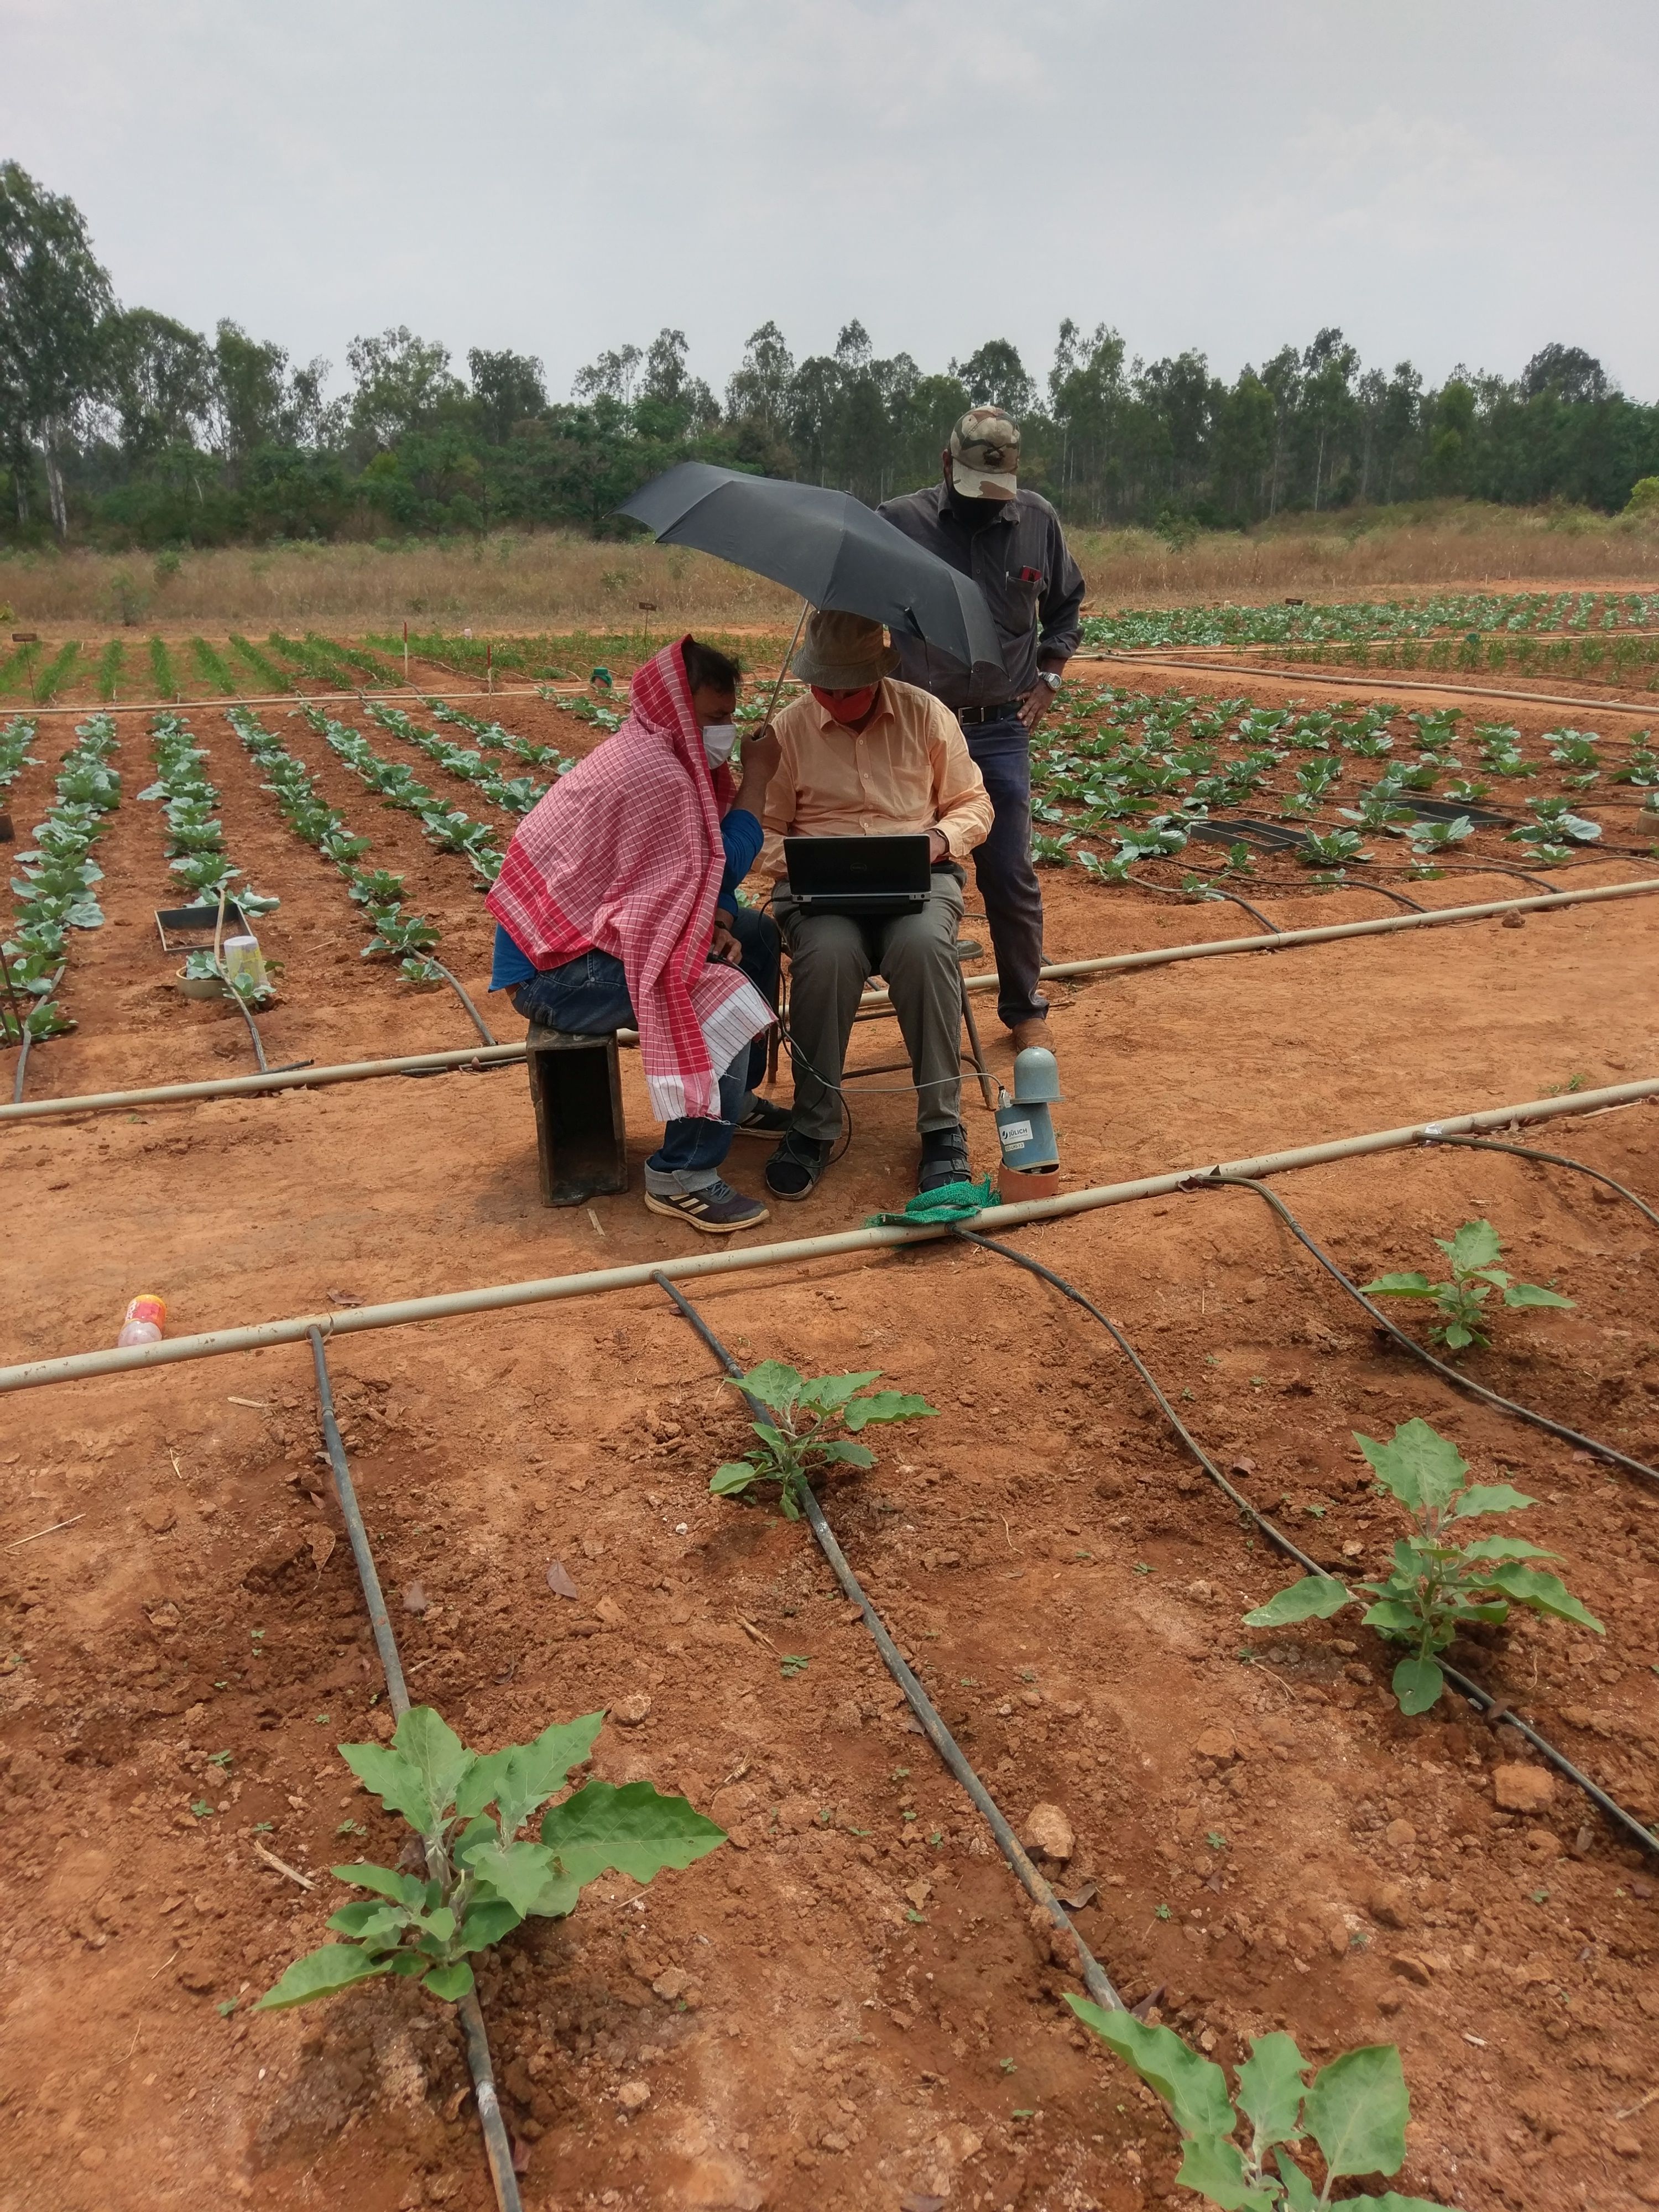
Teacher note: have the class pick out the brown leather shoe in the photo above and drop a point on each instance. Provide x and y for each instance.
(1034, 1031)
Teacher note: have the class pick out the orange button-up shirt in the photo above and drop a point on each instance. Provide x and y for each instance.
(907, 769)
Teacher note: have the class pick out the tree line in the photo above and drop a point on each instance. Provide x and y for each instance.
(121, 425)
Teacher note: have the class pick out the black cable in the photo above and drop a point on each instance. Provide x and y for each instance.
(1483, 1699)
(1555, 1159)
(933, 1725)
(1214, 1179)
(498, 2146)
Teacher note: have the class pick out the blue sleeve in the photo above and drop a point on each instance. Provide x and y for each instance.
(742, 836)
(510, 967)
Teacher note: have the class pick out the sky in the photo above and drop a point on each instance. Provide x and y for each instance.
(1448, 181)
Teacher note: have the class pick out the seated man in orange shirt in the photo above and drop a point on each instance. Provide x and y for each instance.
(862, 756)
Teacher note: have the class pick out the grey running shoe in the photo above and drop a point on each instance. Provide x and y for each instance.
(716, 1209)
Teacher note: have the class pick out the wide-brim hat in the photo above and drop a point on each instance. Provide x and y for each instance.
(843, 651)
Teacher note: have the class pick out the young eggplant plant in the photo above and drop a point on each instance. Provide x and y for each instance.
(1355, 2110)
(1475, 1252)
(483, 1880)
(1436, 1586)
(800, 1437)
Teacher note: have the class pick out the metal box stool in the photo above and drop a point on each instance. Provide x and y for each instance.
(575, 1087)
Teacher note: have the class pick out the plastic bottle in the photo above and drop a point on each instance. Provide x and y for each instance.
(144, 1321)
(242, 957)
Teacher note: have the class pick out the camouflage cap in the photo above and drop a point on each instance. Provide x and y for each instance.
(985, 455)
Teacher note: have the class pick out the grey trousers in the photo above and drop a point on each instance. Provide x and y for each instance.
(832, 956)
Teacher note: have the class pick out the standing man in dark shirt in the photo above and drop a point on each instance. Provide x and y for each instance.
(1011, 543)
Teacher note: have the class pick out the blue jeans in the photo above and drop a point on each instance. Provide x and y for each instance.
(588, 997)
(1003, 871)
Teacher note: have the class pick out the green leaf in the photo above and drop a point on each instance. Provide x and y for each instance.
(887, 1406)
(827, 1392)
(485, 1921)
(1546, 1592)
(519, 1874)
(772, 1382)
(1490, 1497)
(1195, 2090)
(1298, 2190)
(1390, 1617)
(1213, 2167)
(1416, 1683)
(1424, 1469)
(451, 1982)
(1270, 2089)
(376, 1927)
(401, 1888)
(1507, 1547)
(847, 1454)
(435, 1752)
(1476, 1244)
(631, 1830)
(1389, 2202)
(319, 1973)
(1357, 2110)
(521, 1778)
(1534, 1294)
(395, 1780)
(1401, 1286)
(726, 1481)
(1316, 1597)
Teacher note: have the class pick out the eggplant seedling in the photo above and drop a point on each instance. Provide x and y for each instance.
(1475, 1252)
(799, 1437)
(1356, 2109)
(1436, 1586)
(482, 1881)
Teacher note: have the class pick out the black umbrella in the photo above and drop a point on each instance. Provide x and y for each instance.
(827, 546)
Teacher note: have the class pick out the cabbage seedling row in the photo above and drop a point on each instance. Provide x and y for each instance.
(445, 827)
(517, 794)
(1357, 622)
(411, 937)
(195, 842)
(55, 878)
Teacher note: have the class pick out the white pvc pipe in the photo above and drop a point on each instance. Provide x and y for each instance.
(354, 1071)
(494, 1297)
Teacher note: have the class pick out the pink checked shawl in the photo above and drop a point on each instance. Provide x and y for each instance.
(624, 855)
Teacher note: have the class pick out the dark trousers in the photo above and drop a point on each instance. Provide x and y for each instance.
(1006, 879)
(588, 997)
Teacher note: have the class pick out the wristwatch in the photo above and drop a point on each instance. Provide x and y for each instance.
(1048, 676)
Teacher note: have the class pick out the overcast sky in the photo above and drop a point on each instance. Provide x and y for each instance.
(1448, 180)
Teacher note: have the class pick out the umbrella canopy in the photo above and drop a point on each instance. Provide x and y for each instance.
(827, 546)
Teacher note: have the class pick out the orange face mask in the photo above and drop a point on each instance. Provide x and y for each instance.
(846, 706)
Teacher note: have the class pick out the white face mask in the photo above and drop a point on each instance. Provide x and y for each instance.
(718, 739)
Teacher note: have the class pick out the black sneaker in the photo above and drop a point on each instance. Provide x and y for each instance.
(716, 1209)
(944, 1158)
(794, 1168)
(764, 1119)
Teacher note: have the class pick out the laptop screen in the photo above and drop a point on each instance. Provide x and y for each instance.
(858, 867)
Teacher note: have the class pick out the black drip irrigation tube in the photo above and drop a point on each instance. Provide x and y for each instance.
(1216, 1180)
(1497, 1709)
(1212, 890)
(459, 989)
(928, 1714)
(1555, 1159)
(26, 1037)
(498, 2145)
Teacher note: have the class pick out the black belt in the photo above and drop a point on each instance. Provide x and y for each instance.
(1005, 711)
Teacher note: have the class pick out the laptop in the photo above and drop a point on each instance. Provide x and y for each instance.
(860, 875)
